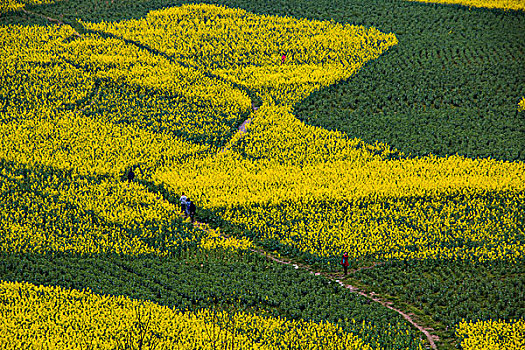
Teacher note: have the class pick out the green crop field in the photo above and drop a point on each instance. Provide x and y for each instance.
(391, 130)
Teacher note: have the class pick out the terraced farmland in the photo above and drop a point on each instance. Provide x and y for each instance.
(391, 130)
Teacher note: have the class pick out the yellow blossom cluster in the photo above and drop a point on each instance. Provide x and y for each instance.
(46, 211)
(36, 83)
(57, 318)
(324, 194)
(54, 113)
(15, 5)
(124, 62)
(492, 334)
(501, 4)
(279, 58)
(10, 5)
(521, 104)
(215, 239)
(89, 145)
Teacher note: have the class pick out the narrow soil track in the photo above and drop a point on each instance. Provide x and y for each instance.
(242, 128)
(333, 277)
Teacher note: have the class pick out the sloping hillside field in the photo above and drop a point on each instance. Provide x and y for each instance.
(390, 130)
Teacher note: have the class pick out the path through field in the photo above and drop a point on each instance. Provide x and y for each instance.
(333, 277)
(336, 278)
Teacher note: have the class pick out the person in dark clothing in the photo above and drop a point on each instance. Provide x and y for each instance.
(131, 175)
(345, 263)
(190, 209)
(183, 199)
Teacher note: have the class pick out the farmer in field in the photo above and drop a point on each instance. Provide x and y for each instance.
(183, 199)
(345, 263)
(131, 175)
(190, 210)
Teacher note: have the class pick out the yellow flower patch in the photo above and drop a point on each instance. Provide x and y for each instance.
(492, 334)
(57, 318)
(501, 4)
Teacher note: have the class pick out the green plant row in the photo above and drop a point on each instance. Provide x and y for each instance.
(452, 85)
(452, 291)
(216, 279)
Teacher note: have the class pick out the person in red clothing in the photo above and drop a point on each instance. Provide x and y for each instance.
(283, 58)
(345, 263)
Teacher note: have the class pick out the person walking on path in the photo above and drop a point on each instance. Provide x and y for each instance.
(131, 175)
(345, 263)
(190, 210)
(183, 199)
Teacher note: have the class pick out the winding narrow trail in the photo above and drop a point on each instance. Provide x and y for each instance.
(336, 278)
(203, 226)
(333, 277)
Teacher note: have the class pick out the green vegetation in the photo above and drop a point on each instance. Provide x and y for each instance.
(442, 90)
(451, 85)
(451, 291)
(197, 279)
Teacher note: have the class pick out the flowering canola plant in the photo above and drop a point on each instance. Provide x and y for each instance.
(214, 239)
(492, 334)
(10, 5)
(321, 193)
(278, 58)
(501, 4)
(15, 5)
(58, 318)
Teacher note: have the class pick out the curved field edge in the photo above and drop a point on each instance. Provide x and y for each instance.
(120, 322)
(500, 4)
(456, 71)
(449, 100)
(450, 292)
(321, 194)
(221, 280)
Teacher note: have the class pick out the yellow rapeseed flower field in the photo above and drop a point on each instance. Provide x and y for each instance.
(280, 58)
(57, 318)
(492, 334)
(162, 95)
(283, 176)
(501, 4)
(68, 111)
(521, 104)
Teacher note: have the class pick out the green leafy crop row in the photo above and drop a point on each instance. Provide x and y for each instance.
(195, 280)
(452, 291)
(452, 85)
